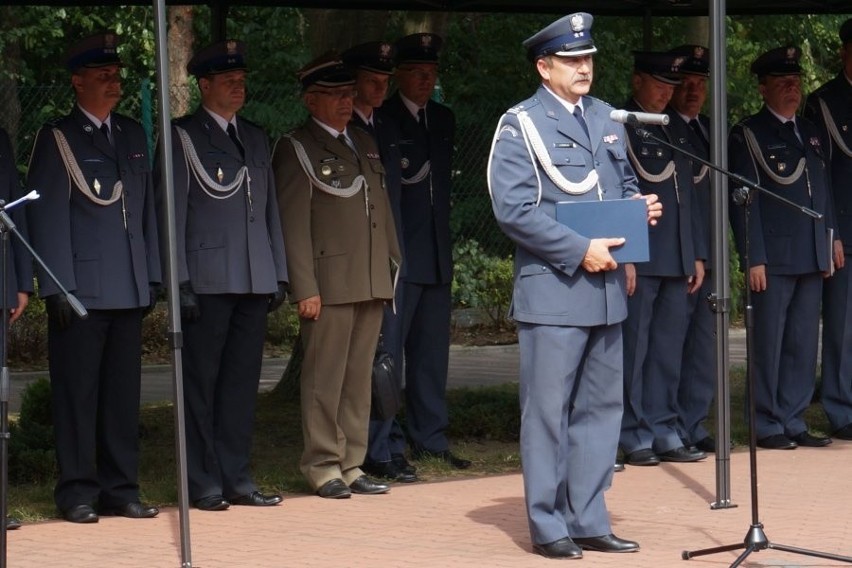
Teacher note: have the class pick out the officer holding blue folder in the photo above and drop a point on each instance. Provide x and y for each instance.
(570, 295)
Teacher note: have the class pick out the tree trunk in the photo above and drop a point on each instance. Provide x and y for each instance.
(287, 389)
(180, 38)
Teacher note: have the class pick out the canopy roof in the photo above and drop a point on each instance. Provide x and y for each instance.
(599, 8)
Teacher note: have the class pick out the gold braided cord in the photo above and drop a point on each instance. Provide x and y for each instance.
(76, 175)
(532, 135)
(667, 172)
(831, 126)
(207, 184)
(754, 148)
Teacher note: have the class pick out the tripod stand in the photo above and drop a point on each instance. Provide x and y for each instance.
(8, 226)
(755, 539)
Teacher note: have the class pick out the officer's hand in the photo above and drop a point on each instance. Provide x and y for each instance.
(59, 312)
(839, 255)
(598, 257)
(189, 309)
(309, 308)
(153, 295)
(655, 208)
(16, 312)
(757, 278)
(696, 281)
(630, 278)
(277, 298)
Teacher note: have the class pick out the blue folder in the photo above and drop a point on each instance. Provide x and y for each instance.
(626, 218)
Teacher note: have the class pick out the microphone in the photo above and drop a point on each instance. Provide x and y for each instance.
(628, 117)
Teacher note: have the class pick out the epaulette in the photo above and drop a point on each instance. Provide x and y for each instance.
(251, 123)
(54, 122)
(180, 121)
(601, 101)
(120, 116)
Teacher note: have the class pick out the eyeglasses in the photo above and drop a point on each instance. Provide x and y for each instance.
(339, 95)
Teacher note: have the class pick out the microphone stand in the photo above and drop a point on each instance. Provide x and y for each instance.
(8, 226)
(755, 539)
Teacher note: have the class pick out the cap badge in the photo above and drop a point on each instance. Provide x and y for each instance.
(109, 41)
(426, 41)
(231, 46)
(677, 63)
(699, 52)
(385, 49)
(791, 53)
(577, 23)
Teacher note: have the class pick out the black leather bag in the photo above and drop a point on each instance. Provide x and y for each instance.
(386, 390)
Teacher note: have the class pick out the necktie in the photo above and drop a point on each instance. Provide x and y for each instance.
(344, 140)
(105, 130)
(791, 126)
(696, 127)
(578, 114)
(421, 119)
(232, 133)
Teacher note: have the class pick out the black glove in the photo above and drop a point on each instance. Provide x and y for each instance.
(277, 298)
(189, 308)
(153, 296)
(59, 311)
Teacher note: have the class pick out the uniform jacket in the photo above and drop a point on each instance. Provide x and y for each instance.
(105, 254)
(426, 204)
(551, 287)
(782, 237)
(837, 95)
(703, 194)
(386, 134)
(19, 277)
(232, 245)
(679, 238)
(340, 248)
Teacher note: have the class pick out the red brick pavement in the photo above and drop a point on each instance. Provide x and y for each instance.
(805, 501)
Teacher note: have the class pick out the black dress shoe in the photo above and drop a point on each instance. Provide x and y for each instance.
(80, 514)
(777, 442)
(810, 441)
(212, 503)
(619, 466)
(257, 499)
(131, 511)
(706, 444)
(844, 433)
(12, 523)
(400, 462)
(334, 489)
(562, 548)
(388, 470)
(607, 543)
(643, 457)
(445, 456)
(682, 454)
(366, 486)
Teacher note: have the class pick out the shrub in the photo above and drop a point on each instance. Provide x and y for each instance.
(482, 281)
(31, 443)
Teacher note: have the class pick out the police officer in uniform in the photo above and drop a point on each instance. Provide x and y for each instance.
(569, 294)
(231, 270)
(373, 64)
(657, 307)
(789, 252)
(19, 275)
(95, 227)
(427, 130)
(698, 365)
(830, 107)
(341, 246)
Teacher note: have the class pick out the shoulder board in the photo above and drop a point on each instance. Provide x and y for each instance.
(600, 101)
(123, 117)
(54, 122)
(251, 123)
(181, 120)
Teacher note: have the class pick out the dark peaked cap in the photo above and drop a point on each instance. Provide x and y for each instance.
(778, 62)
(98, 50)
(418, 48)
(327, 70)
(375, 56)
(568, 36)
(219, 57)
(696, 59)
(661, 65)
(846, 31)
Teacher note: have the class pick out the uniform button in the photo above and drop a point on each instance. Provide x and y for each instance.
(543, 269)
(372, 206)
(251, 219)
(374, 225)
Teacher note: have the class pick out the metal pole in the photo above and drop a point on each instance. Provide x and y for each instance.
(721, 276)
(175, 332)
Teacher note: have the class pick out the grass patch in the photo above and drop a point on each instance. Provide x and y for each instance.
(484, 425)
